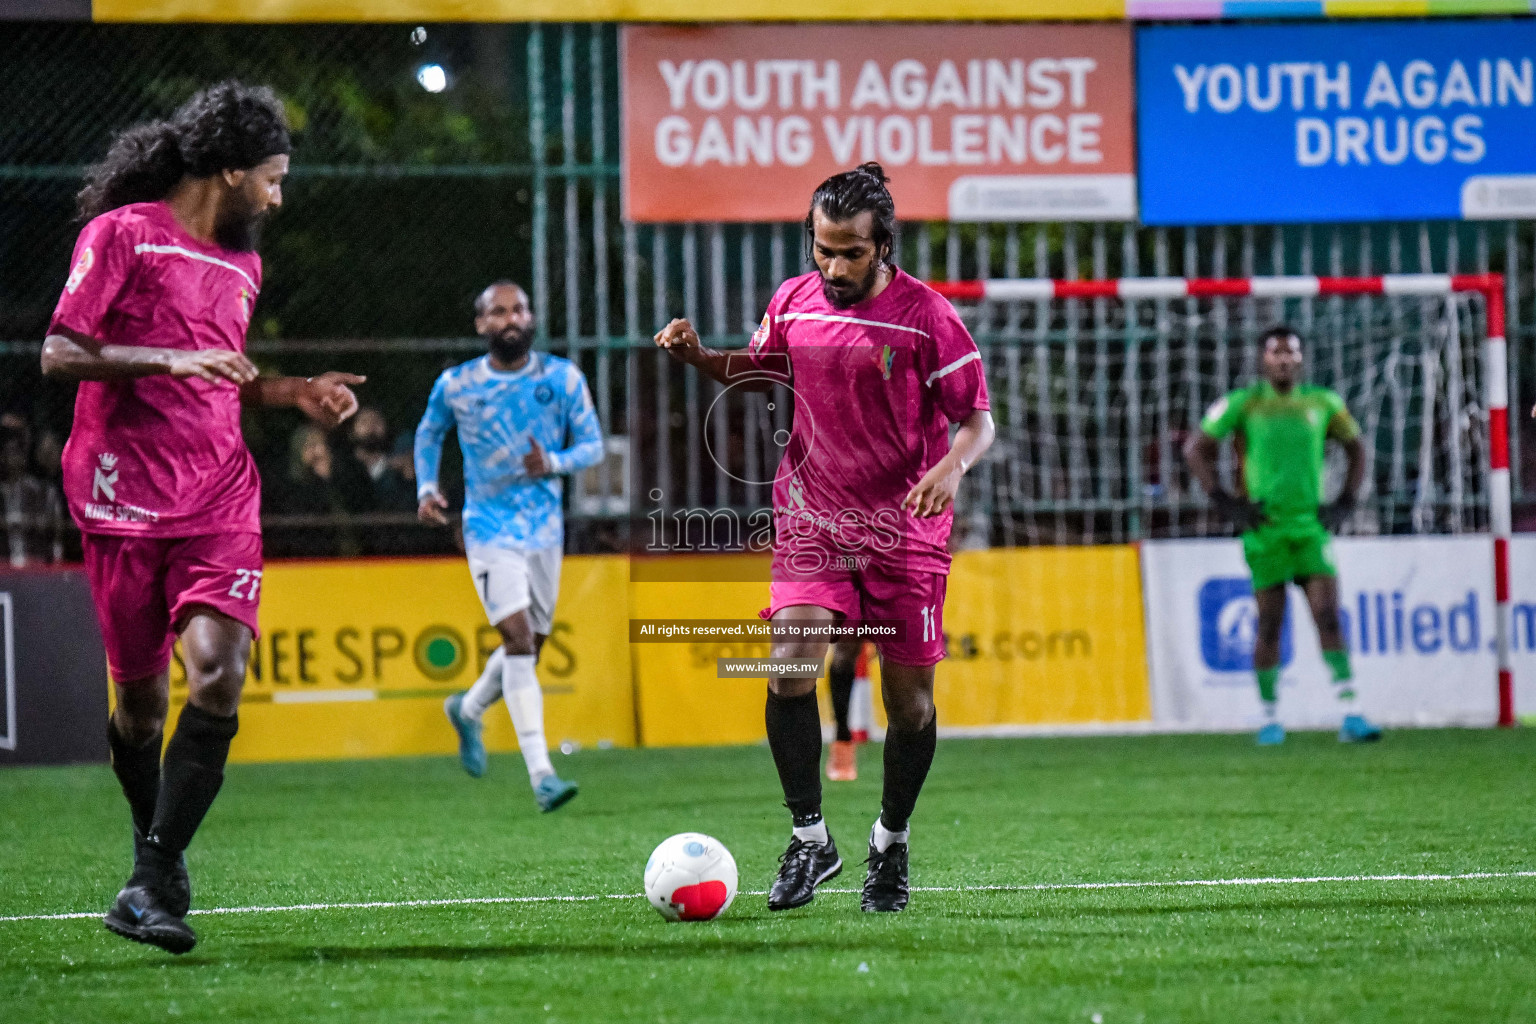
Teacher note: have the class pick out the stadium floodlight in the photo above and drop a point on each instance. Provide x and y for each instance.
(432, 77)
(1441, 374)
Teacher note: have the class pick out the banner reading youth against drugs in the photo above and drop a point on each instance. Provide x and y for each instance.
(972, 122)
(1339, 122)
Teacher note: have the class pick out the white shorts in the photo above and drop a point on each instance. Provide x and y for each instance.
(508, 581)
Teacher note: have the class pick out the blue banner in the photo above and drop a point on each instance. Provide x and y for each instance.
(1405, 120)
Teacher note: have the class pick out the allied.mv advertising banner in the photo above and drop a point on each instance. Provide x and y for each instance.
(1417, 614)
(971, 122)
(1360, 121)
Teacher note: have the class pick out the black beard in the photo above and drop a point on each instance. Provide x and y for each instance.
(511, 345)
(844, 299)
(240, 232)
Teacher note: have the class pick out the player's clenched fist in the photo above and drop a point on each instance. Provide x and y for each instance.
(680, 339)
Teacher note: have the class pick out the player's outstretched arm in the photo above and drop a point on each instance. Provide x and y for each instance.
(327, 399)
(71, 356)
(682, 343)
(935, 492)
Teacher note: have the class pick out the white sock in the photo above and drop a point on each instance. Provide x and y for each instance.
(816, 833)
(525, 701)
(486, 690)
(1269, 710)
(884, 837)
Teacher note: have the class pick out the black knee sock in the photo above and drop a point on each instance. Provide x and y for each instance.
(194, 770)
(840, 682)
(138, 772)
(794, 736)
(908, 756)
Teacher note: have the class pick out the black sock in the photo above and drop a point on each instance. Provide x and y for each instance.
(138, 772)
(840, 682)
(194, 770)
(794, 736)
(908, 756)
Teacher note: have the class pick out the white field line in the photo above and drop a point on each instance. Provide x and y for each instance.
(1043, 887)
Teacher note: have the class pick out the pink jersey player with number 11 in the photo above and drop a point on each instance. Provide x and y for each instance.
(880, 366)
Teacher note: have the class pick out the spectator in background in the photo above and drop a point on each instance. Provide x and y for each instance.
(403, 458)
(48, 455)
(312, 488)
(370, 478)
(33, 511)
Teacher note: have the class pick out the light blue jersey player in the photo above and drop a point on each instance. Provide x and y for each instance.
(523, 418)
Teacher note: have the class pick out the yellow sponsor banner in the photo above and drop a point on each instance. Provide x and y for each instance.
(681, 702)
(1035, 636)
(1044, 636)
(356, 657)
(276, 11)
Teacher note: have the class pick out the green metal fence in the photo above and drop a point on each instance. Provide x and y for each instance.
(403, 203)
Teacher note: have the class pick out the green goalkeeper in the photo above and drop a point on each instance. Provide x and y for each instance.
(1282, 427)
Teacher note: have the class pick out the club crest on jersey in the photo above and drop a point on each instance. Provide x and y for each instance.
(761, 334)
(887, 360)
(796, 493)
(543, 394)
(105, 481)
(82, 267)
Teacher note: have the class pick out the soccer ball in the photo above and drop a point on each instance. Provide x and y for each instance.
(690, 877)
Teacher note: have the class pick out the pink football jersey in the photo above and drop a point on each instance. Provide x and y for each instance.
(158, 456)
(876, 386)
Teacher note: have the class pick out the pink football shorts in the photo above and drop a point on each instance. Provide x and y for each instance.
(146, 587)
(914, 599)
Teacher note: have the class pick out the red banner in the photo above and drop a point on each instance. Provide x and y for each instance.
(971, 122)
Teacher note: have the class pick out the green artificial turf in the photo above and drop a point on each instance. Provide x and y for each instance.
(995, 813)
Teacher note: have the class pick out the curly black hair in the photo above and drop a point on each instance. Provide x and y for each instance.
(850, 193)
(228, 126)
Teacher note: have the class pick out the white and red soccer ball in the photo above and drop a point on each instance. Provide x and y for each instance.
(690, 877)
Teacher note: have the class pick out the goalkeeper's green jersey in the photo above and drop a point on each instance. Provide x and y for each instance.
(1284, 437)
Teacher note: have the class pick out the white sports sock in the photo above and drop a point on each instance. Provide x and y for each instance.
(525, 701)
(486, 690)
(884, 837)
(816, 833)
(1269, 710)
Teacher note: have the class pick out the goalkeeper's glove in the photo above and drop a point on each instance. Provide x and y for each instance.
(1336, 513)
(1240, 512)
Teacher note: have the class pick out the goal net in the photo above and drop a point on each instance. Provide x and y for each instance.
(1095, 395)
(1096, 385)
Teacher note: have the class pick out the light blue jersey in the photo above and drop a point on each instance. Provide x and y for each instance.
(497, 414)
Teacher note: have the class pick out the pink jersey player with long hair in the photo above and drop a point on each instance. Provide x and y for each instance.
(152, 323)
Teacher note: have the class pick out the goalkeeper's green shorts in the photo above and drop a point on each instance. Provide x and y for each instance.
(1277, 555)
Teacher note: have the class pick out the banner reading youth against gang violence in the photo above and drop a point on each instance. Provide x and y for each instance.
(1339, 122)
(972, 122)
